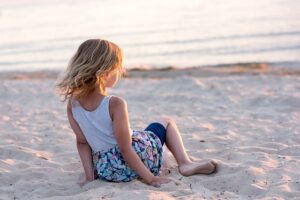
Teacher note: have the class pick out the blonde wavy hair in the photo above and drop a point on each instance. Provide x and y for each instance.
(93, 60)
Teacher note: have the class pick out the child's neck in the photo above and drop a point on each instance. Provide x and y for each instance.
(92, 101)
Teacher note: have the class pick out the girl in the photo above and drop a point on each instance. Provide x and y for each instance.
(108, 148)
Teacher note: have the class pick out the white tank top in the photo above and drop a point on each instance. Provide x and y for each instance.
(96, 125)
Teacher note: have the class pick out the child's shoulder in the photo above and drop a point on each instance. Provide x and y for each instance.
(117, 101)
(72, 103)
(69, 104)
(117, 104)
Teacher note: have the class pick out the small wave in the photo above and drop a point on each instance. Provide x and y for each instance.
(215, 38)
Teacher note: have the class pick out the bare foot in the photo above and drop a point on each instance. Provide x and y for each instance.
(203, 167)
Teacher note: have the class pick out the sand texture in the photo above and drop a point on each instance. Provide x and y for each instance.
(248, 123)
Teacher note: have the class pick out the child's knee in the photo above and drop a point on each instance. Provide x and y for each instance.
(165, 121)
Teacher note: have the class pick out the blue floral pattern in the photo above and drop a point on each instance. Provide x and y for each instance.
(110, 165)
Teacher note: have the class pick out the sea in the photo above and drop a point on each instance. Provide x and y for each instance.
(44, 34)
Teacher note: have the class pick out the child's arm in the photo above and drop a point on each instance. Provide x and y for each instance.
(83, 147)
(122, 133)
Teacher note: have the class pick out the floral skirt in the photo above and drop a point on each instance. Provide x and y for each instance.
(110, 165)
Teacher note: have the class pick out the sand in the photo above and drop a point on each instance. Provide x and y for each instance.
(248, 122)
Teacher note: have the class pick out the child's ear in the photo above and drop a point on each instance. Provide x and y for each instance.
(106, 75)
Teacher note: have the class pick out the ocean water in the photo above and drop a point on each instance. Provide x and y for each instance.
(44, 34)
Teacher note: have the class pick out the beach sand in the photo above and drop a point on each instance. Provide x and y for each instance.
(246, 119)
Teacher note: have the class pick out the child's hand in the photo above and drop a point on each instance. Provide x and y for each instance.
(158, 181)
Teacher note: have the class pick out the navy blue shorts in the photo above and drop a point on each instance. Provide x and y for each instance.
(159, 130)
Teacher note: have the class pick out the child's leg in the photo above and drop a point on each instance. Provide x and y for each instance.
(175, 145)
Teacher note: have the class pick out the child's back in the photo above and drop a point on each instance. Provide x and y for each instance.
(96, 124)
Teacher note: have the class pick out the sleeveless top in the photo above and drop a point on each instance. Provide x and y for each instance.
(96, 125)
(108, 162)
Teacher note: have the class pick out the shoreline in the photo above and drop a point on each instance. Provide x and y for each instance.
(171, 72)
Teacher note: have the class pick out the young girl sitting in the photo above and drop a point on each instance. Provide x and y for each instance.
(107, 146)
